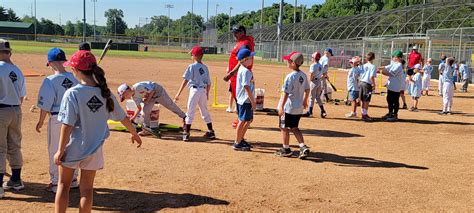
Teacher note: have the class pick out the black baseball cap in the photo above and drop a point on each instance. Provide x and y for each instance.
(84, 46)
(239, 28)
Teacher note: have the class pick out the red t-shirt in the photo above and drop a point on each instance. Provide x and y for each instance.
(413, 59)
(246, 41)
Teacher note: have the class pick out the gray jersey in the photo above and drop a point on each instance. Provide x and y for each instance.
(12, 84)
(295, 85)
(197, 75)
(52, 90)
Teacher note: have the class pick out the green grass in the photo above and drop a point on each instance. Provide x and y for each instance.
(31, 47)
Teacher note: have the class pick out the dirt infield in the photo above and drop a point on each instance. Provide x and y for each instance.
(423, 162)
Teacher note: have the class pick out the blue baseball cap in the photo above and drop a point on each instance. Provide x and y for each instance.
(56, 54)
(244, 53)
(329, 50)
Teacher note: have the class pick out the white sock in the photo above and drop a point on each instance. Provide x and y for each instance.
(286, 146)
(301, 145)
(364, 111)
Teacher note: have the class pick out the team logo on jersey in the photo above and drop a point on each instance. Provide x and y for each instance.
(13, 76)
(94, 104)
(201, 71)
(301, 80)
(67, 83)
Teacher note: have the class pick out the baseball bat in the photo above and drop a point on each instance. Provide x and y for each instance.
(332, 85)
(105, 50)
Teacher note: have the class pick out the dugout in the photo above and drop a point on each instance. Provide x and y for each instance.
(115, 46)
(12, 30)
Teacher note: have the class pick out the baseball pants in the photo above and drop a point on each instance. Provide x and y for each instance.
(440, 85)
(10, 138)
(315, 91)
(197, 97)
(426, 82)
(465, 84)
(448, 93)
(54, 131)
(161, 97)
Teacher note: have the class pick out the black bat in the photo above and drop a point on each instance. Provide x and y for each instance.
(105, 50)
(332, 86)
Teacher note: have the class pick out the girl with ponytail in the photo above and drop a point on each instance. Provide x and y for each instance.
(84, 111)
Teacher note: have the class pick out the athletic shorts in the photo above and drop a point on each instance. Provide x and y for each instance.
(365, 92)
(353, 95)
(415, 98)
(289, 121)
(245, 112)
(93, 162)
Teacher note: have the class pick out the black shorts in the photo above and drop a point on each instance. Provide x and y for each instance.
(410, 71)
(365, 92)
(289, 121)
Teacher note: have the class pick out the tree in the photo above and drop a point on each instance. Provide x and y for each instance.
(11, 16)
(115, 22)
(69, 29)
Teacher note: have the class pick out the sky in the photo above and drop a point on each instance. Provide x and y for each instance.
(135, 11)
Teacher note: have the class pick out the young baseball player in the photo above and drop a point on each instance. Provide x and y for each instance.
(441, 68)
(84, 112)
(405, 85)
(427, 70)
(448, 86)
(245, 94)
(316, 76)
(292, 104)
(196, 77)
(367, 84)
(353, 85)
(324, 61)
(12, 93)
(416, 87)
(394, 71)
(49, 100)
(149, 93)
(465, 74)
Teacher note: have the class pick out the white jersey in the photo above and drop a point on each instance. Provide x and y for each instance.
(52, 90)
(395, 77)
(317, 70)
(197, 75)
(84, 108)
(244, 78)
(428, 69)
(295, 85)
(324, 61)
(142, 88)
(369, 72)
(12, 84)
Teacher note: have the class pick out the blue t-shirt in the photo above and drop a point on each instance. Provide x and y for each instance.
(295, 85)
(52, 90)
(317, 70)
(370, 70)
(416, 85)
(84, 108)
(353, 78)
(244, 78)
(12, 84)
(448, 73)
(197, 75)
(428, 69)
(395, 77)
(465, 72)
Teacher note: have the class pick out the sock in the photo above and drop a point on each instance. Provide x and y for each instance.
(1, 179)
(322, 108)
(209, 126)
(364, 111)
(16, 175)
(301, 145)
(187, 128)
(286, 146)
(310, 110)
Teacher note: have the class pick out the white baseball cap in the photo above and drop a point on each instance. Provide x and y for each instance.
(415, 47)
(417, 66)
(121, 89)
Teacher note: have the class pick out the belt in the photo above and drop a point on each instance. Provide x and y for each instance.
(54, 113)
(199, 87)
(6, 105)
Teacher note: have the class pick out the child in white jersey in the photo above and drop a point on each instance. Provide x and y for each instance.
(316, 77)
(84, 112)
(367, 85)
(427, 70)
(353, 85)
(416, 87)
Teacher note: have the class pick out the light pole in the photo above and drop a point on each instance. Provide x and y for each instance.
(294, 24)
(35, 21)
(169, 6)
(192, 16)
(207, 11)
(279, 27)
(94, 1)
(84, 22)
(215, 19)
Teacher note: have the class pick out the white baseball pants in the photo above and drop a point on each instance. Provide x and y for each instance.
(448, 93)
(197, 97)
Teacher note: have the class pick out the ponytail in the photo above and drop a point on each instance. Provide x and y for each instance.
(99, 76)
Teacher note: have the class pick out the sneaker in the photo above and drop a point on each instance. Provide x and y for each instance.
(52, 188)
(284, 152)
(366, 118)
(246, 144)
(442, 113)
(74, 184)
(405, 106)
(304, 151)
(392, 118)
(415, 109)
(449, 113)
(210, 134)
(386, 116)
(186, 136)
(240, 147)
(351, 115)
(323, 114)
(2, 192)
(412, 109)
(17, 185)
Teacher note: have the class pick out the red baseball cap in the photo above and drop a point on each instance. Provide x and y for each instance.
(197, 51)
(316, 55)
(296, 57)
(82, 60)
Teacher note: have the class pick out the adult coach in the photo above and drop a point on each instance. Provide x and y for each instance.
(414, 58)
(242, 41)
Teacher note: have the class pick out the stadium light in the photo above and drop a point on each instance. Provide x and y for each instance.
(192, 16)
(94, 1)
(84, 20)
(215, 19)
(36, 21)
(279, 27)
(169, 6)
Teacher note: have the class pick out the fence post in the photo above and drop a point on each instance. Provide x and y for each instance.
(460, 44)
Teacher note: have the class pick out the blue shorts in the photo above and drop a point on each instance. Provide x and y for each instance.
(245, 112)
(353, 95)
